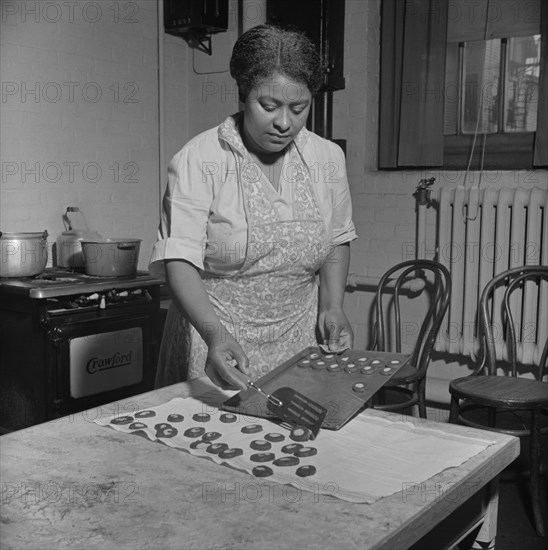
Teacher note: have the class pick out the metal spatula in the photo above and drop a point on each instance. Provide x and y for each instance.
(295, 408)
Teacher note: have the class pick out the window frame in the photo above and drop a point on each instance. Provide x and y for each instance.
(402, 146)
(507, 151)
(503, 150)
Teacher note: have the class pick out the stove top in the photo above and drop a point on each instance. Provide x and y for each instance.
(55, 282)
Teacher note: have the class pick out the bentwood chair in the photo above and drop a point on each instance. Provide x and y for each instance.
(430, 281)
(497, 396)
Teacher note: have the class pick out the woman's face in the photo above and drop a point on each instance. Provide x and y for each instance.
(274, 113)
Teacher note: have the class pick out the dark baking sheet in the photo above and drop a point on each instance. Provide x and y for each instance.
(332, 390)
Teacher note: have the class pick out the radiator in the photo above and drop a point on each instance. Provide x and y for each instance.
(480, 234)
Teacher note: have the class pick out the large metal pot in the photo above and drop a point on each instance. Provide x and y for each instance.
(111, 257)
(23, 254)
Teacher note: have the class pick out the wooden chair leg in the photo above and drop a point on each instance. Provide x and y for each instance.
(381, 397)
(491, 416)
(454, 412)
(421, 395)
(535, 473)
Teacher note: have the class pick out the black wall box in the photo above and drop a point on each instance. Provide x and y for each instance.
(206, 16)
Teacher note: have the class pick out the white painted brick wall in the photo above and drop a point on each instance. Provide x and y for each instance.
(79, 98)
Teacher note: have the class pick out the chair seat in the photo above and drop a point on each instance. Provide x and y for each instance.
(501, 391)
(407, 374)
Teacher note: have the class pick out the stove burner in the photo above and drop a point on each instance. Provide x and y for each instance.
(67, 276)
(48, 279)
(55, 282)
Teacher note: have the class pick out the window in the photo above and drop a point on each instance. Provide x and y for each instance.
(483, 100)
(492, 86)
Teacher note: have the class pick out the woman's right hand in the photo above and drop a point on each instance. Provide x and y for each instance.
(227, 364)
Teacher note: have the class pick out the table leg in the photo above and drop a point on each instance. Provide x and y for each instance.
(485, 538)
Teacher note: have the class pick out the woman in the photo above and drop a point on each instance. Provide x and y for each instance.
(254, 209)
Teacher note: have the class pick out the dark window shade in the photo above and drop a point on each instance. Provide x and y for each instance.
(413, 42)
(392, 15)
(412, 83)
(485, 19)
(541, 137)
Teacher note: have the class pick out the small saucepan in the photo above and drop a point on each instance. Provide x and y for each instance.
(112, 257)
(23, 254)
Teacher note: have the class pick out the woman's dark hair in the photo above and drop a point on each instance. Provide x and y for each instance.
(267, 49)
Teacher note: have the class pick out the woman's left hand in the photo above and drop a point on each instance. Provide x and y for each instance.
(335, 329)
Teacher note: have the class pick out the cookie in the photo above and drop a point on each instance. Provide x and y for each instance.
(216, 448)
(274, 437)
(228, 418)
(175, 418)
(300, 433)
(351, 368)
(122, 420)
(194, 432)
(137, 426)
(162, 426)
(201, 417)
(306, 451)
(333, 367)
(262, 471)
(306, 470)
(260, 445)
(262, 457)
(291, 448)
(231, 453)
(145, 414)
(286, 461)
(167, 432)
(252, 429)
(199, 444)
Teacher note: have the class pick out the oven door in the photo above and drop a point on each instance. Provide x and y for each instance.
(101, 360)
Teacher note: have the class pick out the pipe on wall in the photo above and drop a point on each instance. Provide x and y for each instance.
(161, 118)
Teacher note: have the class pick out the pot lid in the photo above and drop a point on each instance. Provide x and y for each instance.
(81, 234)
(23, 235)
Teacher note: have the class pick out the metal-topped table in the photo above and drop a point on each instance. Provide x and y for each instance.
(71, 483)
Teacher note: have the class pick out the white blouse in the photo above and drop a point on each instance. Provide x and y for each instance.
(203, 218)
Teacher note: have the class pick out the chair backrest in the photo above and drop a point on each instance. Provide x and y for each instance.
(412, 276)
(502, 325)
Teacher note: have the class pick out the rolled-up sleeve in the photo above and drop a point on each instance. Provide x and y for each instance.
(343, 229)
(185, 210)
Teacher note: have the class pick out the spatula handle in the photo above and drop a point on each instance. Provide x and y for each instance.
(275, 401)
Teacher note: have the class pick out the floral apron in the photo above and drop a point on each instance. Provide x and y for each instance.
(270, 305)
